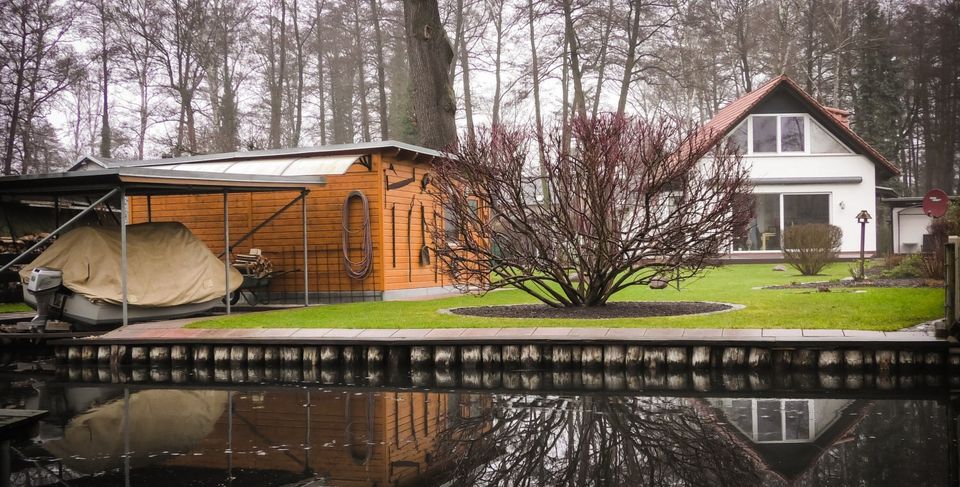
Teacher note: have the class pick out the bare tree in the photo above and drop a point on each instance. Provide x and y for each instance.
(177, 48)
(137, 24)
(36, 70)
(632, 202)
(275, 56)
(381, 69)
(592, 440)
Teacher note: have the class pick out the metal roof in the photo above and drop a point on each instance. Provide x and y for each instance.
(905, 201)
(281, 166)
(359, 148)
(148, 180)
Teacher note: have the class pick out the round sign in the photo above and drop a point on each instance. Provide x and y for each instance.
(935, 203)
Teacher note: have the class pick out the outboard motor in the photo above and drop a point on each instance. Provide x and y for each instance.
(44, 284)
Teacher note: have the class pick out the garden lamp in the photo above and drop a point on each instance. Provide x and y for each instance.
(862, 218)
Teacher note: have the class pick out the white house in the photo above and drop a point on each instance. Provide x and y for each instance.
(806, 164)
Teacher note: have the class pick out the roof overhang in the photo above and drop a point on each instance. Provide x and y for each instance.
(150, 181)
(389, 147)
(909, 201)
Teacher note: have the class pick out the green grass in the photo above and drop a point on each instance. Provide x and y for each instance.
(13, 307)
(874, 309)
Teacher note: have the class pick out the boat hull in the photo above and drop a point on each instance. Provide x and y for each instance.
(85, 313)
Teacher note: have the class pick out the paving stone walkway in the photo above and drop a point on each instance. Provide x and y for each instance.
(174, 331)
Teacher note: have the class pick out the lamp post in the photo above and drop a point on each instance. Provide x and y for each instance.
(863, 218)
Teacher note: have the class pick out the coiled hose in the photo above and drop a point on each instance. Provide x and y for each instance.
(359, 269)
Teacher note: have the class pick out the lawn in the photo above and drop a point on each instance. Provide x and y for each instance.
(874, 309)
(13, 307)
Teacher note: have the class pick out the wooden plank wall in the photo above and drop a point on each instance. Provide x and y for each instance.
(408, 272)
(281, 240)
(405, 428)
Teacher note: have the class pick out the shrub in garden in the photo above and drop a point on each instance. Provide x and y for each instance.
(808, 248)
(587, 210)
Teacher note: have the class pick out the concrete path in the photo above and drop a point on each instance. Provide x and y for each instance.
(174, 332)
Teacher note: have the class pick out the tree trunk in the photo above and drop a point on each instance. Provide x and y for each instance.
(602, 63)
(538, 117)
(579, 98)
(105, 142)
(361, 75)
(298, 108)
(321, 81)
(464, 56)
(633, 38)
(381, 77)
(497, 85)
(430, 55)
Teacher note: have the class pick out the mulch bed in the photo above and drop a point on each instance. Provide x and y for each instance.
(630, 309)
(878, 282)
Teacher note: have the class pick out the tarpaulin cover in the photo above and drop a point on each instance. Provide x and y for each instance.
(167, 265)
(160, 422)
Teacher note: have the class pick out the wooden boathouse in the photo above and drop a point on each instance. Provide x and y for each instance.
(368, 226)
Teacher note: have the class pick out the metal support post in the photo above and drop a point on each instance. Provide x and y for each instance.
(123, 253)
(226, 249)
(306, 260)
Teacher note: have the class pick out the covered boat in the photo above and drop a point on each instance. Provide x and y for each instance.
(170, 273)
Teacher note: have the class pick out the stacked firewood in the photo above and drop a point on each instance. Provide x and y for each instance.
(9, 245)
(253, 264)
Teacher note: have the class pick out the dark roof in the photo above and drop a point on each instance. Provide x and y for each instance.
(145, 180)
(376, 146)
(833, 119)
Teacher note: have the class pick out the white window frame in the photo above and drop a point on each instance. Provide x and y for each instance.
(807, 120)
(780, 196)
(811, 428)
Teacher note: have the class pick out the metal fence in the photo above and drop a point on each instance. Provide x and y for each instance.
(327, 279)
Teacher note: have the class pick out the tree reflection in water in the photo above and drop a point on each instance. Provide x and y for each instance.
(589, 440)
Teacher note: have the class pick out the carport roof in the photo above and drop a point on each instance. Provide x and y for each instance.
(151, 181)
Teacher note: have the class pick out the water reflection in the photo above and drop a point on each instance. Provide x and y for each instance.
(262, 435)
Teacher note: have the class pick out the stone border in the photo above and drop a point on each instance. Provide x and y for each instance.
(731, 307)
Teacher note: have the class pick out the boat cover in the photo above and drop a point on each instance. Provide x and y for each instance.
(160, 422)
(167, 265)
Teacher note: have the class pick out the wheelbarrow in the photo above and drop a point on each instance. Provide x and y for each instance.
(256, 289)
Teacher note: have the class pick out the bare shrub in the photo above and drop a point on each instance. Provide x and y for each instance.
(630, 202)
(808, 248)
(932, 262)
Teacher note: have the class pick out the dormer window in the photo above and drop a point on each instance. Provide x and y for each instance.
(784, 134)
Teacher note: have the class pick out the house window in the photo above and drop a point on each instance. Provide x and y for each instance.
(739, 139)
(773, 420)
(450, 227)
(791, 134)
(774, 212)
(785, 134)
(822, 142)
(764, 134)
(800, 209)
(763, 232)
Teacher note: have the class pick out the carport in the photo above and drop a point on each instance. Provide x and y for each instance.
(108, 185)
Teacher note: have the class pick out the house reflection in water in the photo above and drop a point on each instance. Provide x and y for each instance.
(341, 438)
(788, 436)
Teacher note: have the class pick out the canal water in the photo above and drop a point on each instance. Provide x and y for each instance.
(271, 434)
